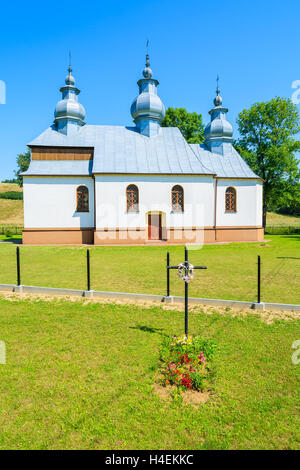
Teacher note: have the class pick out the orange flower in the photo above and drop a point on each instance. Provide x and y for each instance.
(167, 382)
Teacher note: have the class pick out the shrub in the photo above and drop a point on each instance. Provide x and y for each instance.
(15, 195)
(186, 362)
(13, 229)
(8, 233)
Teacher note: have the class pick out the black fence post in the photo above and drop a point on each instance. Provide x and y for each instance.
(168, 274)
(18, 267)
(258, 279)
(186, 296)
(88, 270)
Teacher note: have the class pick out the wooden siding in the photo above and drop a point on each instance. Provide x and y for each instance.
(62, 153)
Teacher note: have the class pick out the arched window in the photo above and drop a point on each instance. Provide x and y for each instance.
(132, 195)
(230, 200)
(177, 199)
(82, 199)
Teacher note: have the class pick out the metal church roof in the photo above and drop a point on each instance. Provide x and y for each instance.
(123, 150)
(59, 168)
(230, 165)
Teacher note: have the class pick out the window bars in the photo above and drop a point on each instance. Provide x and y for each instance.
(177, 199)
(132, 195)
(82, 199)
(230, 200)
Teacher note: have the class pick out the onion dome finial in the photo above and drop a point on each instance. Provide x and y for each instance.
(147, 72)
(69, 79)
(218, 99)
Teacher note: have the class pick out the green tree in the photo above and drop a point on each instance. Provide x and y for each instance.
(268, 145)
(13, 180)
(23, 161)
(292, 205)
(190, 124)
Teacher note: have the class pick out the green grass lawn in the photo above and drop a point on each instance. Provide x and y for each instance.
(81, 375)
(231, 270)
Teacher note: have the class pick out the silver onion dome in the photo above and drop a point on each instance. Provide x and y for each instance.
(219, 129)
(147, 105)
(147, 109)
(68, 110)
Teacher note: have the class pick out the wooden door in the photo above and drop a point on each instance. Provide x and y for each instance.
(154, 227)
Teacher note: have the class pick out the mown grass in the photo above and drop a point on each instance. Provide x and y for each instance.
(11, 211)
(231, 273)
(81, 375)
(6, 187)
(282, 220)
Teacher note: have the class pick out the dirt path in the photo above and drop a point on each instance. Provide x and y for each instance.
(266, 316)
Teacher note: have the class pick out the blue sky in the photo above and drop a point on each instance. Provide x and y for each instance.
(253, 45)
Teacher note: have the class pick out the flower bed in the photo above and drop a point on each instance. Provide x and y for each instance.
(186, 362)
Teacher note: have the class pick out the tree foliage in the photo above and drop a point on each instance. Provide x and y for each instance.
(12, 180)
(190, 124)
(291, 207)
(268, 145)
(23, 161)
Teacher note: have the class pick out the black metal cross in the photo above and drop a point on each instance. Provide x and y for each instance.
(186, 292)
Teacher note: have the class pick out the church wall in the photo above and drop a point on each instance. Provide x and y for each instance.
(249, 204)
(51, 217)
(259, 202)
(50, 202)
(154, 196)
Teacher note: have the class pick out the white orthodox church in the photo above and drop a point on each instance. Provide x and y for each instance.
(137, 185)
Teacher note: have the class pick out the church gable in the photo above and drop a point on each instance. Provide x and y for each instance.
(62, 153)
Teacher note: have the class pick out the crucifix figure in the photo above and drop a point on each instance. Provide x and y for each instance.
(185, 272)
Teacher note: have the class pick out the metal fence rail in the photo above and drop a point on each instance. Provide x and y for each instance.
(282, 229)
(90, 271)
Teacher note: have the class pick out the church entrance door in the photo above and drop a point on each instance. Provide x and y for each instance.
(154, 227)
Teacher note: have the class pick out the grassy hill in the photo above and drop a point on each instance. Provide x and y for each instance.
(282, 220)
(11, 211)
